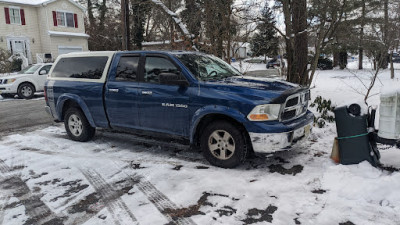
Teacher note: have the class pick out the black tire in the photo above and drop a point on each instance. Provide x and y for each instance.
(81, 129)
(223, 147)
(26, 91)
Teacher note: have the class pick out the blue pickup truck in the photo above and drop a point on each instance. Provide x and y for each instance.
(188, 95)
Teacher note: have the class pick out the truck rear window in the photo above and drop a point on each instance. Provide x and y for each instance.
(80, 67)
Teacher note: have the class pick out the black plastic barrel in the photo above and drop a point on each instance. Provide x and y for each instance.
(353, 138)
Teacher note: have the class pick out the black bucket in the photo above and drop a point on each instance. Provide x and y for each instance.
(354, 141)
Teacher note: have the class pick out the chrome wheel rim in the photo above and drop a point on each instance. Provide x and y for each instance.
(221, 144)
(75, 125)
(26, 91)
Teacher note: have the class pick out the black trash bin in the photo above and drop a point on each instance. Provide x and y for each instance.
(353, 137)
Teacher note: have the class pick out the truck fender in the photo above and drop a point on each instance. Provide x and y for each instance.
(214, 109)
(64, 97)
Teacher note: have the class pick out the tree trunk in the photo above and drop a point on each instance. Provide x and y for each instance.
(300, 41)
(171, 27)
(335, 58)
(391, 65)
(147, 32)
(228, 36)
(361, 49)
(384, 59)
(343, 59)
(125, 24)
(288, 39)
(92, 21)
(103, 11)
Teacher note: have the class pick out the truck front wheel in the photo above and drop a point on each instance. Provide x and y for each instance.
(77, 126)
(223, 144)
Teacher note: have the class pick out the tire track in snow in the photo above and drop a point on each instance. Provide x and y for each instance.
(3, 167)
(160, 201)
(36, 210)
(110, 156)
(2, 207)
(110, 197)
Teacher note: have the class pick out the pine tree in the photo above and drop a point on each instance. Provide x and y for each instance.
(265, 42)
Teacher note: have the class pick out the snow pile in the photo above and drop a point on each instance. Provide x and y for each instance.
(301, 185)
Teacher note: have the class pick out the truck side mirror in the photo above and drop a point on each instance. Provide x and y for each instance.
(169, 78)
(42, 72)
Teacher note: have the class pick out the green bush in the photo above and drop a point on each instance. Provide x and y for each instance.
(16, 64)
(325, 110)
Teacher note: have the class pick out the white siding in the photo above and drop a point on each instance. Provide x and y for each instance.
(39, 20)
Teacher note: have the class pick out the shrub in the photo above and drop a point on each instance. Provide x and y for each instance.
(5, 64)
(325, 110)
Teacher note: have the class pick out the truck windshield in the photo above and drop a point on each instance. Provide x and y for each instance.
(29, 70)
(207, 67)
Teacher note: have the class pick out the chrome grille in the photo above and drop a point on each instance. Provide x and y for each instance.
(295, 106)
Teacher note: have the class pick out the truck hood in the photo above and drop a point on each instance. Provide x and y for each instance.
(266, 89)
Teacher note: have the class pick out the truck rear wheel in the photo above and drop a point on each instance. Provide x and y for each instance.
(223, 144)
(77, 126)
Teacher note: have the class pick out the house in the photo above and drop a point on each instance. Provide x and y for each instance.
(40, 30)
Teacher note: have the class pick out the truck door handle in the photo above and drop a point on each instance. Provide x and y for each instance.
(147, 92)
(113, 90)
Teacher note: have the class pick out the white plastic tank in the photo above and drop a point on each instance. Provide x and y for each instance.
(389, 113)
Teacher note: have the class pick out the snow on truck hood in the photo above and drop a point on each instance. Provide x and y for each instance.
(260, 87)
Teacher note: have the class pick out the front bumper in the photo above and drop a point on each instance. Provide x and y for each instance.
(272, 142)
(7, 89)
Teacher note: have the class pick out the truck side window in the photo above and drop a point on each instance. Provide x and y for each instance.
(154, 66)
(81, 67)
(127, 68)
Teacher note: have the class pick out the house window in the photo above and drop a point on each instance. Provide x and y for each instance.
(65, 19)
(15, 17)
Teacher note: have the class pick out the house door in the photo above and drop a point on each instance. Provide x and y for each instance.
(20, 46)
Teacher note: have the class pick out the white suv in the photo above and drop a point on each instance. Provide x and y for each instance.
(26, 82)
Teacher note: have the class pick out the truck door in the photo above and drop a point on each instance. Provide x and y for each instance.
(162, 108)
(121, 93)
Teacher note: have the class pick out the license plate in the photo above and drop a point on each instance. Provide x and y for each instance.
(304, 131)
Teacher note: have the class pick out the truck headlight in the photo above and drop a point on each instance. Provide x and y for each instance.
(9, 81)
(265, 112)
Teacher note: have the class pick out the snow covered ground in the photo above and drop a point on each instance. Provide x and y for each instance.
(127, 179)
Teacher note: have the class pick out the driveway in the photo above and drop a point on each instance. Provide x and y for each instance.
(18, 114)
